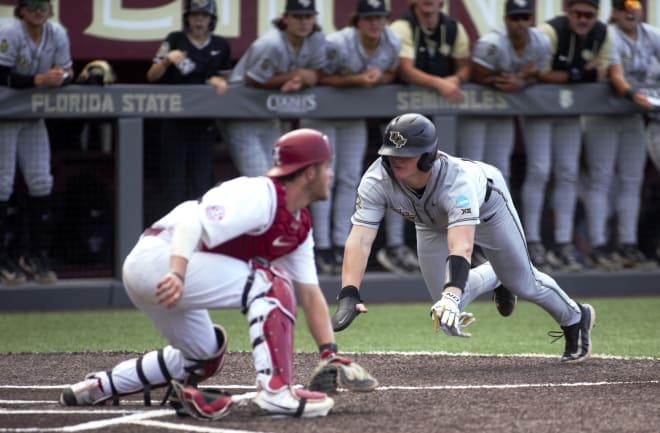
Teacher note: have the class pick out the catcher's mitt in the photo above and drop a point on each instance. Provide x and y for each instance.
(203, 404)
(340, 372)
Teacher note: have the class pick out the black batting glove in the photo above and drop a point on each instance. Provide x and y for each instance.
(348, 298)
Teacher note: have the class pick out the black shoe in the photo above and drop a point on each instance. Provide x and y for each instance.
(325, 261)
(630, 256)
(10, 273)
(601, 258)
(505, 300)
(578, 336)
(537, 255)
(565, 257)
(38, 266)
(399, 259)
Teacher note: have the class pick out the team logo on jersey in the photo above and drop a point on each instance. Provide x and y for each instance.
(4, 46)
(358, 202)
(466, 211)
(445, 49)
(265, 64)
(462, 201)
(397, 139)
(331, 54)
(491, 50)
(215, 212)
(587, 55)
(566, 98)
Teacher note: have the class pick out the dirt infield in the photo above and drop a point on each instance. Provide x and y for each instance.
(417, 393)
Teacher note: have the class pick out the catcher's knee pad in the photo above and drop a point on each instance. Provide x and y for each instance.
(272, 318)
(201, 369)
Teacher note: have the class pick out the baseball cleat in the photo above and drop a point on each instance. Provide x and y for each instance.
(505, 300)
(296, 402)
(578, 336)
(201, 404)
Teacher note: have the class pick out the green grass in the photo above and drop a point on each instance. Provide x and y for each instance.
(625, 327)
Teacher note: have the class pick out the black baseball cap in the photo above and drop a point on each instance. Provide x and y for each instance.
(372, 8)
(519, 7)
(594, 3)
(622, 5)
(300, 7)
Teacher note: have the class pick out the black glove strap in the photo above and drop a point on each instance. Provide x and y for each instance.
(351, 291)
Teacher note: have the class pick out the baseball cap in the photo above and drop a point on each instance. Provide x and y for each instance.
(300, 7)
(594, 3)
(372, 8)
(626, 4)
(519, 7)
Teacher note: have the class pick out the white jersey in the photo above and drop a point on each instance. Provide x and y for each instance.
(452, 197)
(225, 214)
(273, 54)
(24, 57)
(635, 55)
(346, 55)
(495, 52)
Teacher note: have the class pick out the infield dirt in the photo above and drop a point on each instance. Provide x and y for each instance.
(417, 393)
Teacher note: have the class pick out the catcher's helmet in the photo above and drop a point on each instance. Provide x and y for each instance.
(297, 149)
(205, 6)
(408, 136)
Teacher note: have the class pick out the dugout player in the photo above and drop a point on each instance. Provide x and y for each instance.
(288, 58)
(363, 54)
(456, 204)
(615, 146)
(191, 56)
(34, 52)
(509, 59)
(224, 251)
(581, 53)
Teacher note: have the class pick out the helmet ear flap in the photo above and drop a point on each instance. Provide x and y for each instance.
(425, 161)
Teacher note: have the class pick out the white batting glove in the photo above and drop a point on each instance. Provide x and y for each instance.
(448, 317)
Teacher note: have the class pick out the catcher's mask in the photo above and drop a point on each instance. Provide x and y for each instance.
(97, 72)
(410, 135)
(205, 6)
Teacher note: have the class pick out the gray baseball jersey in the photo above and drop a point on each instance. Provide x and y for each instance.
(272, 54)
(26, 141)
(19, 52)
(346, 56)
(491, 138)
(615, 146)
(495, 52)
(464, 192)
(250, 142)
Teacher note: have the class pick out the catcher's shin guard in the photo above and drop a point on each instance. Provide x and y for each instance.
(155, 369)
(272, 317)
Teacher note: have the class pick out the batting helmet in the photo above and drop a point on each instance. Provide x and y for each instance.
(205, 6)
(297, 149)
(408, 136)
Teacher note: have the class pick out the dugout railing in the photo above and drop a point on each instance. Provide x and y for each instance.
(128, 106)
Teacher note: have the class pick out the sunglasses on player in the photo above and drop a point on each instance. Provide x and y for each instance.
(520, 17)
(37, 5)
(587, 15)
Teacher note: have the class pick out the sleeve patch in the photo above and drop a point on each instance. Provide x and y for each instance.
(215, 213)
